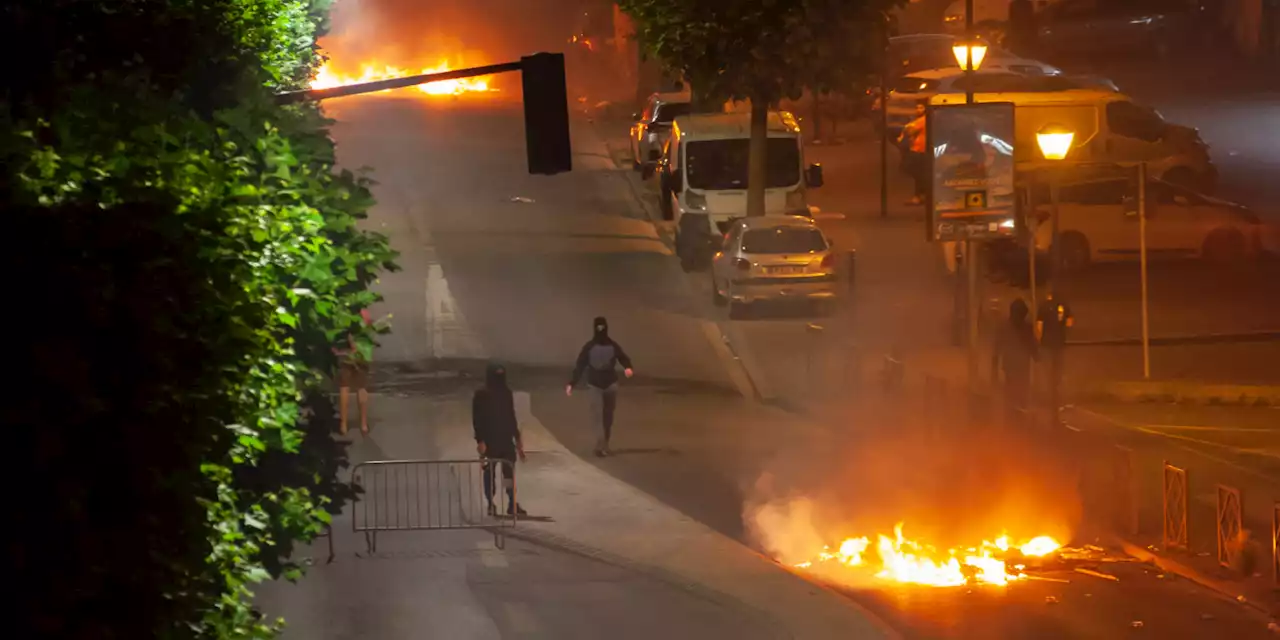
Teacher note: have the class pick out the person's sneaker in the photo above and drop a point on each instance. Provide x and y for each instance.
(493, 511)
(600, 453)
(518, 511)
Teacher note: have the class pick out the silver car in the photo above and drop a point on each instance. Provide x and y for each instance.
(773, 258)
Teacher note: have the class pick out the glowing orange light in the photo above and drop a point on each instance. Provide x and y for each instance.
(326, 77)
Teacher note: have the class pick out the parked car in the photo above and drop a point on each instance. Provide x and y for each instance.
(652, 126)
(773, 258)
(1099, 223)
(918, 52)
(906, 91)
(702, 177)
(1074, 28)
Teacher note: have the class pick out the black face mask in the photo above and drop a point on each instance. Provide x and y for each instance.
(601, 329)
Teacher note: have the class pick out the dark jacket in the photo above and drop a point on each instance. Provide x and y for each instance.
(1015, 347)
(599, 359)
(493, 415)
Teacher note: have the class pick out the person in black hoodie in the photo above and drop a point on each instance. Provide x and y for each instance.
(493, 416)
(599, 359)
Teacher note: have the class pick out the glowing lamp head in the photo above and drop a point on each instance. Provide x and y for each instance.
(962, 50)
(1055, 141)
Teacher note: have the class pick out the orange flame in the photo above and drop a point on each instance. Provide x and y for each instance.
(909, 561)
(326, 77)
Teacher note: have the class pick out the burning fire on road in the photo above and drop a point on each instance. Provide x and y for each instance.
(907, 561)
(328, 77)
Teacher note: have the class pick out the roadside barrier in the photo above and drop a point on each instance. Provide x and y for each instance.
(1230, 526)
(1275, 544)
(1175, 508)
(427, 495)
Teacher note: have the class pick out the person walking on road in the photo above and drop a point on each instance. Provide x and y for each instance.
(913, 140)
(498, 439)
(1015, 349)
(353, 373)
(599, 360)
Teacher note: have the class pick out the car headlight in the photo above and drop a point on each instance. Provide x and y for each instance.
(695, 201)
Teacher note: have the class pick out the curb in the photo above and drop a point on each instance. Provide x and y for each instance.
(1169, 565)
(1182, 392)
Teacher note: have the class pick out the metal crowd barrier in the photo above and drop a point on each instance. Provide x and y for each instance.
(426, 495)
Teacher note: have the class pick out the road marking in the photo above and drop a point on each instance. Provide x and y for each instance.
(1174, 437)
(490, 557)
(1179, 427)
(520, 618)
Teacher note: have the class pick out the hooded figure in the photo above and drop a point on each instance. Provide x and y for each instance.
(1015, 350)
(599, 359)
(493, 417)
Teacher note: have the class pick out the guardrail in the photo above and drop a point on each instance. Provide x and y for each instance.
(426, 495)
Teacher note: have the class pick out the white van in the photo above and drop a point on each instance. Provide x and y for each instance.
(703, 177)
(1110, 128)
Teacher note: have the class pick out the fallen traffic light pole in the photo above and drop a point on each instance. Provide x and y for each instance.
(546, 103)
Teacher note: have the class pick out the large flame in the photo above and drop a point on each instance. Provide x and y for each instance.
(908, 561)
(327, 77)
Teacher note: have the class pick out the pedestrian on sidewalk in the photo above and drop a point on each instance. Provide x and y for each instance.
(353, 372)
(498, 439)
(1053, 321)
(1015, 350)
(912, 140)
(599, 359)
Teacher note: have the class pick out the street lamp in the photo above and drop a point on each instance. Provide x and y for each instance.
(1055, 141)
(966, 50)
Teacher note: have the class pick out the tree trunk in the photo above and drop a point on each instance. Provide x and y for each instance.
(758, 163)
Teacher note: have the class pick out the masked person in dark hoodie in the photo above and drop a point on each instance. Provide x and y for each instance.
(493, 416)
(599, 360)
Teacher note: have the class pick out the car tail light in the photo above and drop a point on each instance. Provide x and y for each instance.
(743, 264)
(828, 260)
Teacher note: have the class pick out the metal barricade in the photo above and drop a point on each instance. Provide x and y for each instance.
(1175, 507)
(1275, 543)
(1229, 526)
(425, 495)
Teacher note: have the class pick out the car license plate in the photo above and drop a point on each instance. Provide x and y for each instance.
(786, 271)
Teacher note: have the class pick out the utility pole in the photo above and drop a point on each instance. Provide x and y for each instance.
(1142, 245)
(971, 246)
(884, 122)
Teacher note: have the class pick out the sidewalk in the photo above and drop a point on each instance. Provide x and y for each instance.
(599, 558)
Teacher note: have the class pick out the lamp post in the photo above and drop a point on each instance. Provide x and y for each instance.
(969, 53)
(1055, 143)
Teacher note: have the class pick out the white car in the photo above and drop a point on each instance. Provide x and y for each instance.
(907, 91)
(773, 258)
(1099, 223)
(921, 51)
(652, 126)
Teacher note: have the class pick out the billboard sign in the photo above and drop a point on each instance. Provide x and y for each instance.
(970, 153)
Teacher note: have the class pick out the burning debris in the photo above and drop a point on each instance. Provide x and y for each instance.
(907, 561)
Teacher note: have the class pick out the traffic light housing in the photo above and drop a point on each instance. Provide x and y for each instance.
(546, 113)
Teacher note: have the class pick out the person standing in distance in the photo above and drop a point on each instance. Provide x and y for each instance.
(599, 359)
(1053, 322)
(498, 439)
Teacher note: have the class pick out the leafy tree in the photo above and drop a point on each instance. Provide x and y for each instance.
(183, 257)
(762, 51)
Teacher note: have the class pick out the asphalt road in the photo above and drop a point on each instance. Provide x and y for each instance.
(485, 276)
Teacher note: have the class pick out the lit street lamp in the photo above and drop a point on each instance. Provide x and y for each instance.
(1055, 143)
(967, 50)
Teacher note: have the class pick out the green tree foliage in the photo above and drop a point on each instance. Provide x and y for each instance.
(762, 51)
(183, 257)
